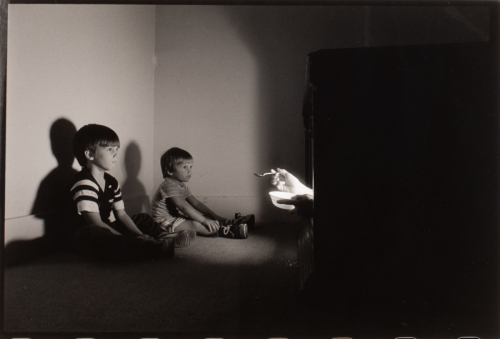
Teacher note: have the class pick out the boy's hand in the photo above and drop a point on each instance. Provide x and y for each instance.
(211, 225)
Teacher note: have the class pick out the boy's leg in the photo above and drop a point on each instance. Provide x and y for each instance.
(196, 226)
(146, 224)
(234, 229)
(97, 242)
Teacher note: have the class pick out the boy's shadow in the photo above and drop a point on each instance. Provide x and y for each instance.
(51, 202)
(132, 187)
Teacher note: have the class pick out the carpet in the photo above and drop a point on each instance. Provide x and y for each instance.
(216, 286)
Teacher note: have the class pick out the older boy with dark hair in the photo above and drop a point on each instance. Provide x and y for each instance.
(106, 230)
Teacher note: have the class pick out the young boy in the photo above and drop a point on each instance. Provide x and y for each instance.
(106, 230)
(175, 208)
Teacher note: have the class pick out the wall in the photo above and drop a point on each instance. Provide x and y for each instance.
(70, 65)
(230, 80)
(206, 86)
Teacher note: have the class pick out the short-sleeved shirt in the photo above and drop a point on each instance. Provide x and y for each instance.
(163, 210)
(88, 196)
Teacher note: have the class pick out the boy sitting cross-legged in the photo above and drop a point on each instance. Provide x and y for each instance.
(175, 208)
(105, 229)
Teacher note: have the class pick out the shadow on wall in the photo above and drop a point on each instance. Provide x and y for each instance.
(132, 188)
(50, 201)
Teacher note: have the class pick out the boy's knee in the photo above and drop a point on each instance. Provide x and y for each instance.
(194, 225)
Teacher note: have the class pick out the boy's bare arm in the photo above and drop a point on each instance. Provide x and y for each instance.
(125, 219)
(203, 208)
(187, 209)
(94, 218)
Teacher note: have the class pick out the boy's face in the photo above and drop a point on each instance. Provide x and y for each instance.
(104, 157)
(182, 170)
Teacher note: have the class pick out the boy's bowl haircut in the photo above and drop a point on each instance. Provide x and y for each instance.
(89, 137)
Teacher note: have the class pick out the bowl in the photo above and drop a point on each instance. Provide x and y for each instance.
(278, 195)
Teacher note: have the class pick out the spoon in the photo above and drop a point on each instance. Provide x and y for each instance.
(263, 175)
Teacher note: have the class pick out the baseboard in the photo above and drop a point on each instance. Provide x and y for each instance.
(23, 228)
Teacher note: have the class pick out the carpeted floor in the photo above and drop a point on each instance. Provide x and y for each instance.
(216, 286)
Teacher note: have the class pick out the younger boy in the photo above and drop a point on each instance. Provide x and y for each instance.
(175, 208)
(98, 200)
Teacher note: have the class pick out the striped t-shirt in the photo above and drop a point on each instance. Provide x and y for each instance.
(89, 197)
(163, 210)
